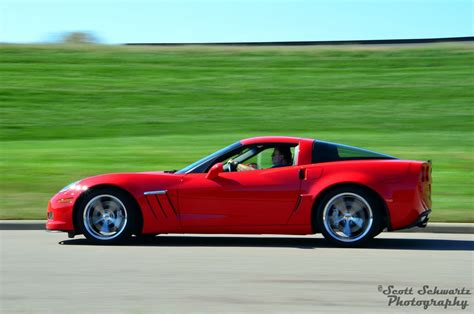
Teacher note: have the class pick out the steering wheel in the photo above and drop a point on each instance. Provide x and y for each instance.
(231, 165)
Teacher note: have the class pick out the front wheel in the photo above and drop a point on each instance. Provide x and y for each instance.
(348, 217)
(107, 216)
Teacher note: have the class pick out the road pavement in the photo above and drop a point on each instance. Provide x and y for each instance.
(47, 273)
(433, 227)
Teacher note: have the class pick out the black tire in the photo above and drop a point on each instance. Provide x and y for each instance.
(107, 216)
(146, 238)
(348, 216)
(381, 229)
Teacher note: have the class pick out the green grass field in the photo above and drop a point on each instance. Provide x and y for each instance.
(70, 112)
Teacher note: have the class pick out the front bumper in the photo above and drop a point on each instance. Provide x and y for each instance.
(60, 212)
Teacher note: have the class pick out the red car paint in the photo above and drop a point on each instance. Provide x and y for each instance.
(274, 200)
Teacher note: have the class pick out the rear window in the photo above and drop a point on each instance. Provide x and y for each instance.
(327, 152)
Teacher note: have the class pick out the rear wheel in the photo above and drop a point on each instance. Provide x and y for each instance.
(348, 216)
(107, 216)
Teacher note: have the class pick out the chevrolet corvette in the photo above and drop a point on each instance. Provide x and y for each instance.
(260, 185)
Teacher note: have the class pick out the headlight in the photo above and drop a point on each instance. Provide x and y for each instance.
(69, 186)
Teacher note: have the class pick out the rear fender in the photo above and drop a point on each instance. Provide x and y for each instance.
(313, 190)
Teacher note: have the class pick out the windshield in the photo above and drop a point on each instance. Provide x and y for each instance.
(209, 158)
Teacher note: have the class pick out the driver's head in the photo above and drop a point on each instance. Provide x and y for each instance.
(282, 156)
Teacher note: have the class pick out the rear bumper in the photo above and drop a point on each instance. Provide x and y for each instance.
(409, 204)
(421, 221)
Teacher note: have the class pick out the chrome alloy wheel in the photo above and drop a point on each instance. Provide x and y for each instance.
(347, 217)
(105, 217)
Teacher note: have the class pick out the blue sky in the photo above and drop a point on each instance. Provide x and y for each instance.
(115, 21)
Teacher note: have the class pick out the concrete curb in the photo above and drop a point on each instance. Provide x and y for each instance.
(433, 227)
(22, 224)
(444, 227)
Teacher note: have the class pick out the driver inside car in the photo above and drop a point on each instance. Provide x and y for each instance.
(281, 157)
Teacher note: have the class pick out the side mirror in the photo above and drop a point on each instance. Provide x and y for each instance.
(214, 171)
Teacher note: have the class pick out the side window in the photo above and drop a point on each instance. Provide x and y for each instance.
(263, 156)
(261, 160)
(327, 152)
(345, 152)
(240, 153)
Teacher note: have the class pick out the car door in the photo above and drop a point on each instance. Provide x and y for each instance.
(248, 198)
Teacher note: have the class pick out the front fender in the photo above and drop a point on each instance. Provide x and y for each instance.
(159, 212)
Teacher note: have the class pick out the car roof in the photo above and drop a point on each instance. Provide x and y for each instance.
(273, 139)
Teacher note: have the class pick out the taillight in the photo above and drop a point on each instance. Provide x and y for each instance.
(425, 173)
(426, 183)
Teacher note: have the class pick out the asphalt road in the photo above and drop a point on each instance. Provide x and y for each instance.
(47, 273)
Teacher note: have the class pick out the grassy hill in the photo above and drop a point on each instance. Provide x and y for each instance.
(70, 112)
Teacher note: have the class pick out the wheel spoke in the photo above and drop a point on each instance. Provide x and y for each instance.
(116, 222)
(347, 229)
(105, 227)
(113, 207)
(358, 221)
(340, 205)
(97, 220)
(337, 221)
(99, 207)
(336, 218)
(356, 207)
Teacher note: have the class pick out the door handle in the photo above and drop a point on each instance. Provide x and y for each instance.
(302, 173)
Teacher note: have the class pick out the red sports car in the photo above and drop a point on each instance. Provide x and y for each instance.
(260, 185)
